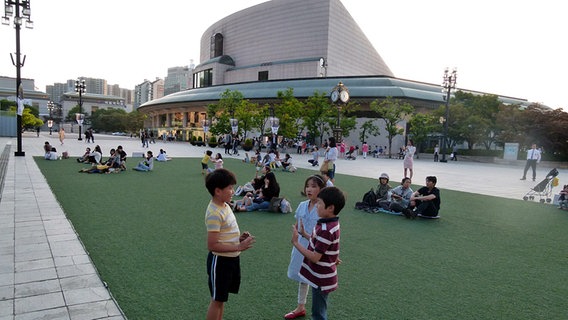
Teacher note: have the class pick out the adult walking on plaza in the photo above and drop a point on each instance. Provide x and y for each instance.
(533, 157)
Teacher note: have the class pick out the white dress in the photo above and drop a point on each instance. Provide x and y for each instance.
(309, 219)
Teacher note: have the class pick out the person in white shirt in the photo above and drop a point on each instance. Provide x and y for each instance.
(533, 157)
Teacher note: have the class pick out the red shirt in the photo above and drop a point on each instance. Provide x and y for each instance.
(324, 240)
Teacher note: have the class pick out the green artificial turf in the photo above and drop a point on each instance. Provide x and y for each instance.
(486, 258)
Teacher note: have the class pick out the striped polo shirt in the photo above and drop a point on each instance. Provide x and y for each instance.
(222, 220)
(324, 240)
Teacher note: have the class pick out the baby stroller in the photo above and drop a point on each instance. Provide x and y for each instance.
(543, 189)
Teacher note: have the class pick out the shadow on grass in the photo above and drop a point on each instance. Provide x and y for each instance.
(486, 258)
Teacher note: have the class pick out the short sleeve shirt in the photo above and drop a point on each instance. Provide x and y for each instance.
(222, 219)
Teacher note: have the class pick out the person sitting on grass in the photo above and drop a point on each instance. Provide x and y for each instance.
(162, 156)
(563, 198)
(261, 201)
(85, 157)
(96, 156)
(287, 163)
(425, 201)
(147, 164)
(399, 197)
(47, 150)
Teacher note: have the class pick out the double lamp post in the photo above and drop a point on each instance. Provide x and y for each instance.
(448, 84)
(80, 88)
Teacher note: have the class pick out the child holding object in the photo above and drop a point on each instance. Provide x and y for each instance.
(224, 242)
(306, 218)
(321, 257)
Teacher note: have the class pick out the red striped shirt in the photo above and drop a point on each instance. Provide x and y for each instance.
(324, 240)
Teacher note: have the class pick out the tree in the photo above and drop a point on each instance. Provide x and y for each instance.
(290, 111)
(421, 127)
(368, 128)
(109, 120)
(318, 114)
(392, 112)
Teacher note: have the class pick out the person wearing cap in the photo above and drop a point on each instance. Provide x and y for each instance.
(383, 188)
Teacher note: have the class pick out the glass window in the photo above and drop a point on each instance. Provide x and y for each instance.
(263, 76)
(203, 78)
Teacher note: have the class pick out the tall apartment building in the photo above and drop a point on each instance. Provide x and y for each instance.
(56, 90)
(178, 79)
(116, 90)
(148, 91)
(94, 85)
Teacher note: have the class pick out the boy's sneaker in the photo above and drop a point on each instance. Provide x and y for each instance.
(407, 213)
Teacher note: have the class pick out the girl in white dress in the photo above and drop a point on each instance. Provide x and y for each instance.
(306, 219)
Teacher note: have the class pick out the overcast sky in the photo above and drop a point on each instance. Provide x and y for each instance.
(506, 47)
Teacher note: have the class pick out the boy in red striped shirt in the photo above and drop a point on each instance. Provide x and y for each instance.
(322, 255)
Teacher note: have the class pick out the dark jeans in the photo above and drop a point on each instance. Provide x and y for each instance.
(319, 304)
(426, 208)
(530, 164)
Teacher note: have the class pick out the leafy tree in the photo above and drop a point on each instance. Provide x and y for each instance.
(421, 127)
(109, 120)
(290, 111)
(71, 114)
(6, 104)
(29, 120)
(230, 103)
(135, 121)
(392, 112)
(368, 128)
(318, 115)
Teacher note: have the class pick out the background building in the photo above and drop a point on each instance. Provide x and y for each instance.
(178, 79)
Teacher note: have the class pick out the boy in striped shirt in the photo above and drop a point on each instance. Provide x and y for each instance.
(322, 255)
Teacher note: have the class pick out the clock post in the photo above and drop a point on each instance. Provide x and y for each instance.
(339, 96)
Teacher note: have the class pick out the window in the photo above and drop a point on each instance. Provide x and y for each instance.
(263, 76)
(216, 46)
(203, 78)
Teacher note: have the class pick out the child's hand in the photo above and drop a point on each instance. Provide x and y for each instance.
(338, 262)
(295, 233)
(243, 236)
(246, 243)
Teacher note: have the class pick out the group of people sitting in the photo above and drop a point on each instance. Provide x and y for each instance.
(425, 202)
(258, 192)
(273, 160)
(116, 161)
(50, 152)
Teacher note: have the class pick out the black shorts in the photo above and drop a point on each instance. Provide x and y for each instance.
(204, 166)
(224, 274)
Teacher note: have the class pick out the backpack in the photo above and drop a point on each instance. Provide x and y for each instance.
(370, 198)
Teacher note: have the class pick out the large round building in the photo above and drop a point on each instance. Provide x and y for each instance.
(308, 46)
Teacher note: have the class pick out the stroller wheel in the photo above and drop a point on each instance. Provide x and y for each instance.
(541, 200)
(548, 200)
(525, 198)
(531, 197)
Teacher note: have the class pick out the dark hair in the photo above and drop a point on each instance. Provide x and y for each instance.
(332, 196)
(218, 155)
(150, 153)
(317, 179)
(220, 178)
(404, 180)
(332, 143)
(209, 152)
(432, 179)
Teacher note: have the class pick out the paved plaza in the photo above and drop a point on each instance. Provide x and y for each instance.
(46, 273)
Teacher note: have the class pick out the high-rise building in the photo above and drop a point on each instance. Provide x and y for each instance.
(178, 79)
(56, 90)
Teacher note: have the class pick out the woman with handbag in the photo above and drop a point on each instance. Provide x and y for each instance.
(330, 158)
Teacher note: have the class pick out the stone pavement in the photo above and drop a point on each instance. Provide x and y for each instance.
(46, 273)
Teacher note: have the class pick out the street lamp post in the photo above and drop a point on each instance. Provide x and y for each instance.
(339, 96)
(205, 124)
(447, 86)
(9, 7)
(274, 126)
(50, 107)
(234, 123)
(81, 88)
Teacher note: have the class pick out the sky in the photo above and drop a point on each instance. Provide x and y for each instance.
(511, 48)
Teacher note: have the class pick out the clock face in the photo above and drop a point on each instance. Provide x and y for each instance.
(344, 96)
(334, 96)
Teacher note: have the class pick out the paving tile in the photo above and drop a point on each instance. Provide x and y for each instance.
(72, 260)
(35, 275)
(81, 282)
(95, 310)
(6, 308)
(6, 292)
(7, 279)
(75, 270)
(51, 314)
(37, 288)
(39, 302)
(67, 248)
(33, 255)
(85, 295)
(34, 265)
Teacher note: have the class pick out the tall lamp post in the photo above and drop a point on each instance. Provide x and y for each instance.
(9, 6)
(205, 124)
(234, 123)
(50, 107)
(447, 86)
(274, 126)
(339, 96)
(81, 88)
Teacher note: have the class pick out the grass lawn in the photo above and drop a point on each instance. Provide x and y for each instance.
(486, 258)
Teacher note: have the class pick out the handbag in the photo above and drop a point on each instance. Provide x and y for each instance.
(274, 205)
(324, 167)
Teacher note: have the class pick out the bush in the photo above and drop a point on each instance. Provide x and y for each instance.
(213, 142)
(248, 145)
